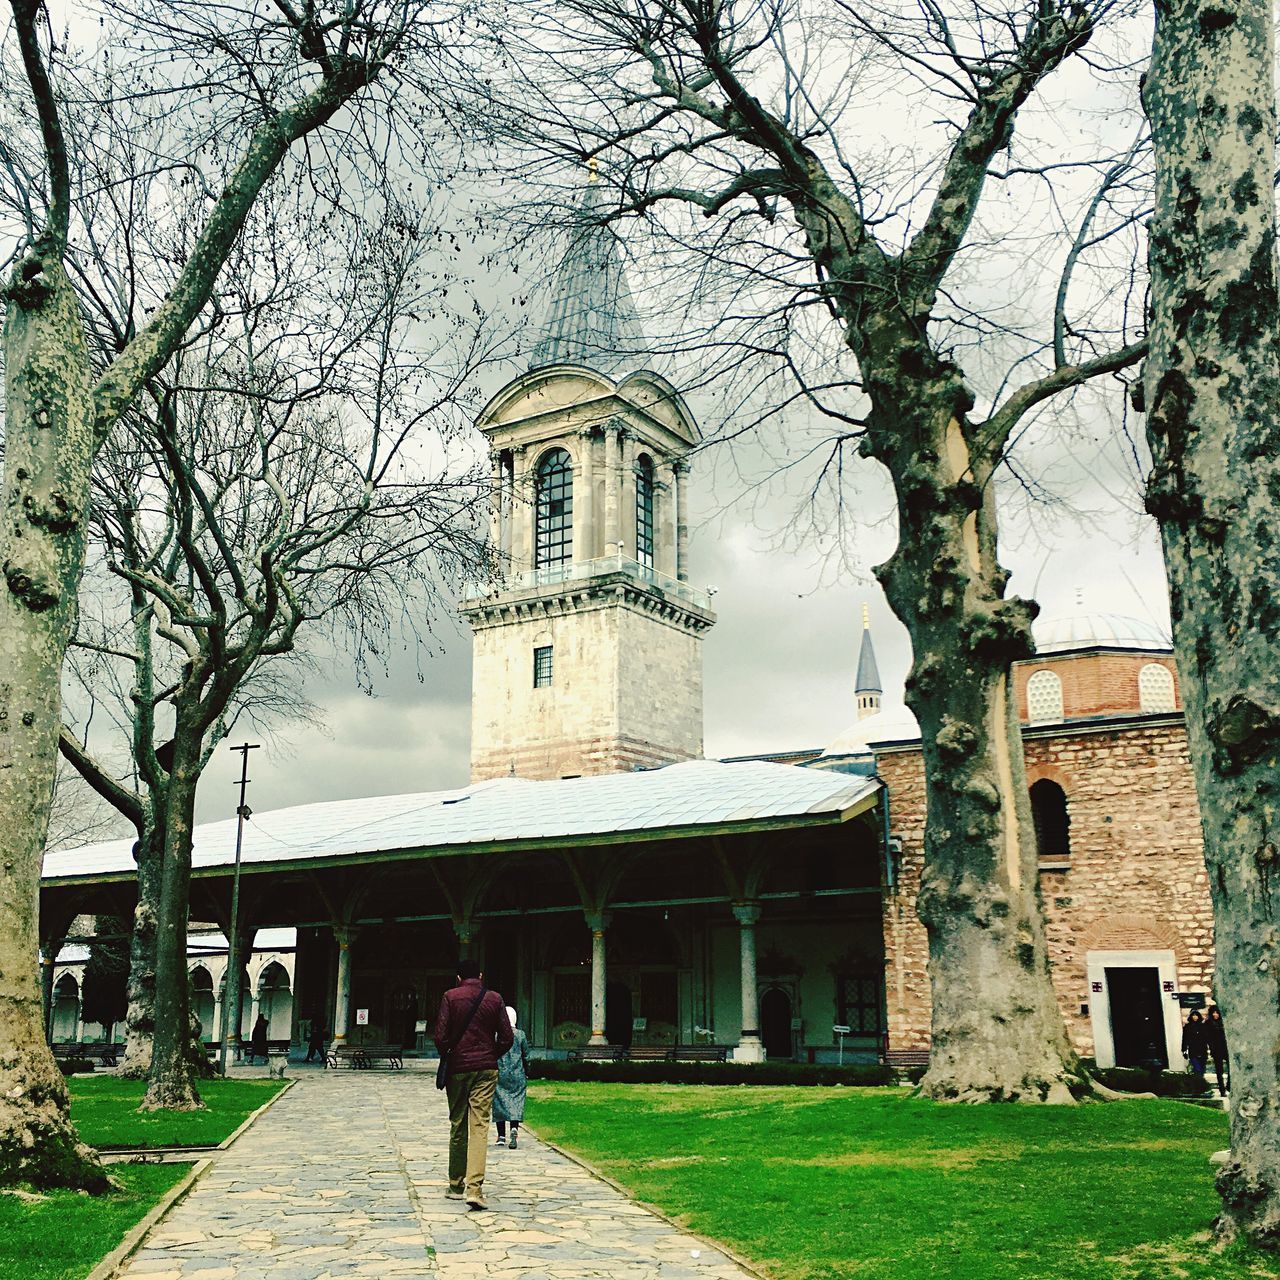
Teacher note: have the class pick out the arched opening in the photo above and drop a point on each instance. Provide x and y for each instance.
(1044, 698)
(644, 510)
(66, 1009)
(1155, 689)
(553, 516)
(275, 1000)
(202, 1001)
(1052, 821)
(775, 1023)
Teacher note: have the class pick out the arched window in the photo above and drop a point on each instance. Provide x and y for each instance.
(644, 511)
(1053, 823)
(554, 532)
(1155, 688)
(1044, 698)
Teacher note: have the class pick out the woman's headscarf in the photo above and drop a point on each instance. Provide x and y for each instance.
(511, 1017)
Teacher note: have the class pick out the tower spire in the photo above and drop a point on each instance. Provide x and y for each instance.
(867, 689)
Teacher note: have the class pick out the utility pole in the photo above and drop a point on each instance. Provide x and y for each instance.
(230, 1007)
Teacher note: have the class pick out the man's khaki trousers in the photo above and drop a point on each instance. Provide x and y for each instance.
(470, 1095)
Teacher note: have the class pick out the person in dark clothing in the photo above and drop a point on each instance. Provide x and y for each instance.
(1215, 1032)
(258, 1039)
(315, 1041)
(1195, 1043)
(473, 1030)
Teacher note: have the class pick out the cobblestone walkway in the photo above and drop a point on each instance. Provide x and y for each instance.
(345, 1176)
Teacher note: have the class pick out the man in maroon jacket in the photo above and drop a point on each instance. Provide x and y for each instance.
(472, 1028)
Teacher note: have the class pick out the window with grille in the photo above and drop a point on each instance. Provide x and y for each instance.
(1155, 688)
(1052, 821)
(553, 535)
(644, 511)
(542, 656)
(860, 1003)
(1044, 698)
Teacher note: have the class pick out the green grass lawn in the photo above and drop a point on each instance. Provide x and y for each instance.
(63, 1235)
(105, 1112)
(870, 1184)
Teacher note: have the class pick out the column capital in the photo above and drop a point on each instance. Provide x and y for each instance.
(345, 934)
(746, 913)
(598, 921)
(680, 466)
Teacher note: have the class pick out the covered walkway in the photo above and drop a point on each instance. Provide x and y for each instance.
(345, 1177)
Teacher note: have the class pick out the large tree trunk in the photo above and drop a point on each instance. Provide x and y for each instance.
(171, 1085)
(1212, 390)
(49, 448)
(140, 1021)
(998, 1033)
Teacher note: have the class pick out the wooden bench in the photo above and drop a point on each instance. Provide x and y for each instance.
(700, 1052)
(107, 1054)
(364, 1056)
(649, 1053)
(906, 1059)
(597, 1053)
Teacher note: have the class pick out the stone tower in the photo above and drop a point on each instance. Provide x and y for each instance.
(867, 690)
(588, 643)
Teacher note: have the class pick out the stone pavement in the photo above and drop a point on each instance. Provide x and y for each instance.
(345, 1177)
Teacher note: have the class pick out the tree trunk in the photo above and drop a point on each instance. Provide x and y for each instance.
(49, 449)
(171, 1085)
(1212, 389)
(140, 1020)
(998, 1033)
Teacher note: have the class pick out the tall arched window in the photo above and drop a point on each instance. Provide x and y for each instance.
(1155, 688)
(1052, 822)
(1044, 698)
(553, 542)
(644, 511)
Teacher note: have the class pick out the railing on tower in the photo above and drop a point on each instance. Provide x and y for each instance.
(604, 566)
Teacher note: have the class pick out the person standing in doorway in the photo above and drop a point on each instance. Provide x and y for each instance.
(258, 1039)
(1195, 1043)
(315, 1041)
(513, 1079)
(472, 1033)
(1216, 1039)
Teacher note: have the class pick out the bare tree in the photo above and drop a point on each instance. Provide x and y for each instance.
(263, 487)
(224, 93)
(744, 118)
(1212, 387)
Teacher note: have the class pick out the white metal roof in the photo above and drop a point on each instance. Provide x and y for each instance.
(200, 944)
(698, 793)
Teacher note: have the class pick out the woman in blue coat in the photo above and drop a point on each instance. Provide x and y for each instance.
(513, 1077)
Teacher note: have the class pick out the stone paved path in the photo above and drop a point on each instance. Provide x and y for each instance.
(345, 1177)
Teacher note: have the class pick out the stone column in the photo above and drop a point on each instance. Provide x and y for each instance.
(255, 1008)
(612, 468)
(497, 523)
(215, 1032)
(464, 931)
(345, 935)
(749, 1047)
(521, 518)
(681, 469)
(48, 959)
(664, 499)
(598, 922)
(584, 499)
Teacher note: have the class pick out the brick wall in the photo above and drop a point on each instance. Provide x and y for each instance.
(1136, 879)
(1102, 683)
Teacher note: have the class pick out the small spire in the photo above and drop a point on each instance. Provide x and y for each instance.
(867, 689)
(593, 169)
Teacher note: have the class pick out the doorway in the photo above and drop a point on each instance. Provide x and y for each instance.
(775, 1023)
(1137, 1017)
(617, 1014)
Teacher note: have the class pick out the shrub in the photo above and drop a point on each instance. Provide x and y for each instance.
(75, 1066)
(772, 1073)
(1165, 1084)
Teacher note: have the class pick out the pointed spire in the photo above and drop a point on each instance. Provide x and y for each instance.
(867, 688)
(592, 320)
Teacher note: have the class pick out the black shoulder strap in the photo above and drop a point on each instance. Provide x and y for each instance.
(484, 991)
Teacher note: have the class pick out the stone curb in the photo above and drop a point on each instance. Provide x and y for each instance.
(111, 1264)
(253, 1115)
(737, 1259)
